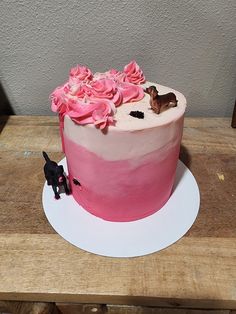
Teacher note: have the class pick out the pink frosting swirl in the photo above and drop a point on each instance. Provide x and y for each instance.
(58, 100)
(80, 73)
(133, 73)
(89, 98)
(106, 75)
(106, 89)
(83, 91)
(130, 92)
(99, 112)
(113, 74)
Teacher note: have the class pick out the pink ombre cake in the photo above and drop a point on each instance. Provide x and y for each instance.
(125, 165)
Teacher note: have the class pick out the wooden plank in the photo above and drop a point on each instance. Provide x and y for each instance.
(30, 134)
(22, 177)
(215, 175)
(15, 307)
(22, 182)
(218, 122)
(36, 264)
(30, 138)
(67, 308)
(208, 123)
(196, 272)
(29, 120)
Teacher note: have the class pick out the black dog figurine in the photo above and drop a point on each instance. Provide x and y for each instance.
(55, 176)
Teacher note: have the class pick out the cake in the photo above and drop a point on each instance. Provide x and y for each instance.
(121, 151)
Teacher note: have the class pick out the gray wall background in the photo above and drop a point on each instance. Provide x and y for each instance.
(189, 45)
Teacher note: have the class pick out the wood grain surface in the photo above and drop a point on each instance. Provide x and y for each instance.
(36, 264)
(66, 308)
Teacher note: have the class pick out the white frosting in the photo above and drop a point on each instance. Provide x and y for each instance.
(132, 137)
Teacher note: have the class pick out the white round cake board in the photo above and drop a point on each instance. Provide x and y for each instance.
(125, 239)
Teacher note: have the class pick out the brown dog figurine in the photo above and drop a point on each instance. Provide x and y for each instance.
(160, 103)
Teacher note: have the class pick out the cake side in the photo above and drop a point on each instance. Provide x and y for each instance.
(130, 136)
(121, 190)
(121, 136)
(125, 173)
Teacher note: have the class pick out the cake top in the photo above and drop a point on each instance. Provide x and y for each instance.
(98, 99)
(124, 121)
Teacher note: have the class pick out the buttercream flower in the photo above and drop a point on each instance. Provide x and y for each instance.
(89, 98)
(58, 99)
(111, 75)
(121, 77)
(78, 91)
(133, 73)
(106, 89)
(113, 72)
(130, 92)
(83, 91)
(80, 73)
(99, 112)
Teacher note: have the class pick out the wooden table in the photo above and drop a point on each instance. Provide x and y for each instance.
(36, 264)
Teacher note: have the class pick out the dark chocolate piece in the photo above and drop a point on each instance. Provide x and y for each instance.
(76, 182)
(55, 176)
(160, 103)
(137, 114)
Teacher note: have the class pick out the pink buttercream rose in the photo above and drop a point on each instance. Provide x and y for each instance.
(73, 89)
(130, 92)
(89, 98)
(99, 112)
(121, 77)
(83, 91)
(99, 76)
(133, 73)
(80, 73)
(79, 91)
(106, 89)
(58, 99)
(112, 74)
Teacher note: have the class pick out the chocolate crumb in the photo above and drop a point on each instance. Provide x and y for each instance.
(137, 114)
(76, 182)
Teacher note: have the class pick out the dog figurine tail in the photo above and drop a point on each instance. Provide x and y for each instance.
(45, 155)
